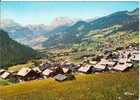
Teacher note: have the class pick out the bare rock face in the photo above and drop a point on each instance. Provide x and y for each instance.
(59, 21)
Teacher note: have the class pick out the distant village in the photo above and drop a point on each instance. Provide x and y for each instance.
(113, 61)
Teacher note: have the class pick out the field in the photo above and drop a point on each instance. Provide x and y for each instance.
(106, 86)
(20, 66)
(4, 82)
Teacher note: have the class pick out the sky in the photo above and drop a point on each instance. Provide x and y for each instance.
(45, 12)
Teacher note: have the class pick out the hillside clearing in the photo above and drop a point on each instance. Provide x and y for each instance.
(20, 66)
(106, 86)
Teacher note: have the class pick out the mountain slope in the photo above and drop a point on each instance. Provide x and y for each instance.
(27, 34)
(12, 52)
(22, 34)
(77, 33)
(119, 18)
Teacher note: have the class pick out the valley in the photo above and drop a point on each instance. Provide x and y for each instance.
(71, 59)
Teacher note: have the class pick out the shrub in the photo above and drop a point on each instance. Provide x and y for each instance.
(119, 48)
(135, 66)
(13, 80)
(70, 76)
(97, 58)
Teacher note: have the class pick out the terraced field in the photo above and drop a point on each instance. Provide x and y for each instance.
(106, 86)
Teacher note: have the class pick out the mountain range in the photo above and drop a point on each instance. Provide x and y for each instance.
(29, 34)
(64, 32)
(103, 27)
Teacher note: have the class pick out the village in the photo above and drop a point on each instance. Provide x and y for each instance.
(113, 61)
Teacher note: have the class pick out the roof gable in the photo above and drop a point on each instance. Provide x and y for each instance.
(24, 71)
(85, 68)
(47, 72)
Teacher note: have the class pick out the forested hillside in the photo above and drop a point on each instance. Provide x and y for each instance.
(12, 52)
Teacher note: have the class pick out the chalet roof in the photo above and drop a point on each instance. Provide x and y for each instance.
(129, 64)
(129, 60)
(85, 68)
(60, 77)
(73, 67)
(65, 70)
(24, 71)
(100, 66)
(47, 72)
(79, 65)
(122, 60)
(42, 64)
(37, 69)
(114, 55)
(11, 71)
(5, 75)
(2, 71)
(111, 63)
(93, 62)
(135, 57)
(69, 64)
(121, 67)
(103, 61)
(135, 52)
(46, 64)
(53, 68)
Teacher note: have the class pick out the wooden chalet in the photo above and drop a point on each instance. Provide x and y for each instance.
(48, 73)
(66, 70)
(2, 71)
(122, 67)
(86, 69)
(100, 67)
(37, 69)
(27, 74)
(5, 75)
(93, 62)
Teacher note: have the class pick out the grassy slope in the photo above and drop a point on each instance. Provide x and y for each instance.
(20, 66)
(29, 63)
(105, 86)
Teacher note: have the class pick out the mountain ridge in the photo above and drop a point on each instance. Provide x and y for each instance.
(28, 33)
(76, 33)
